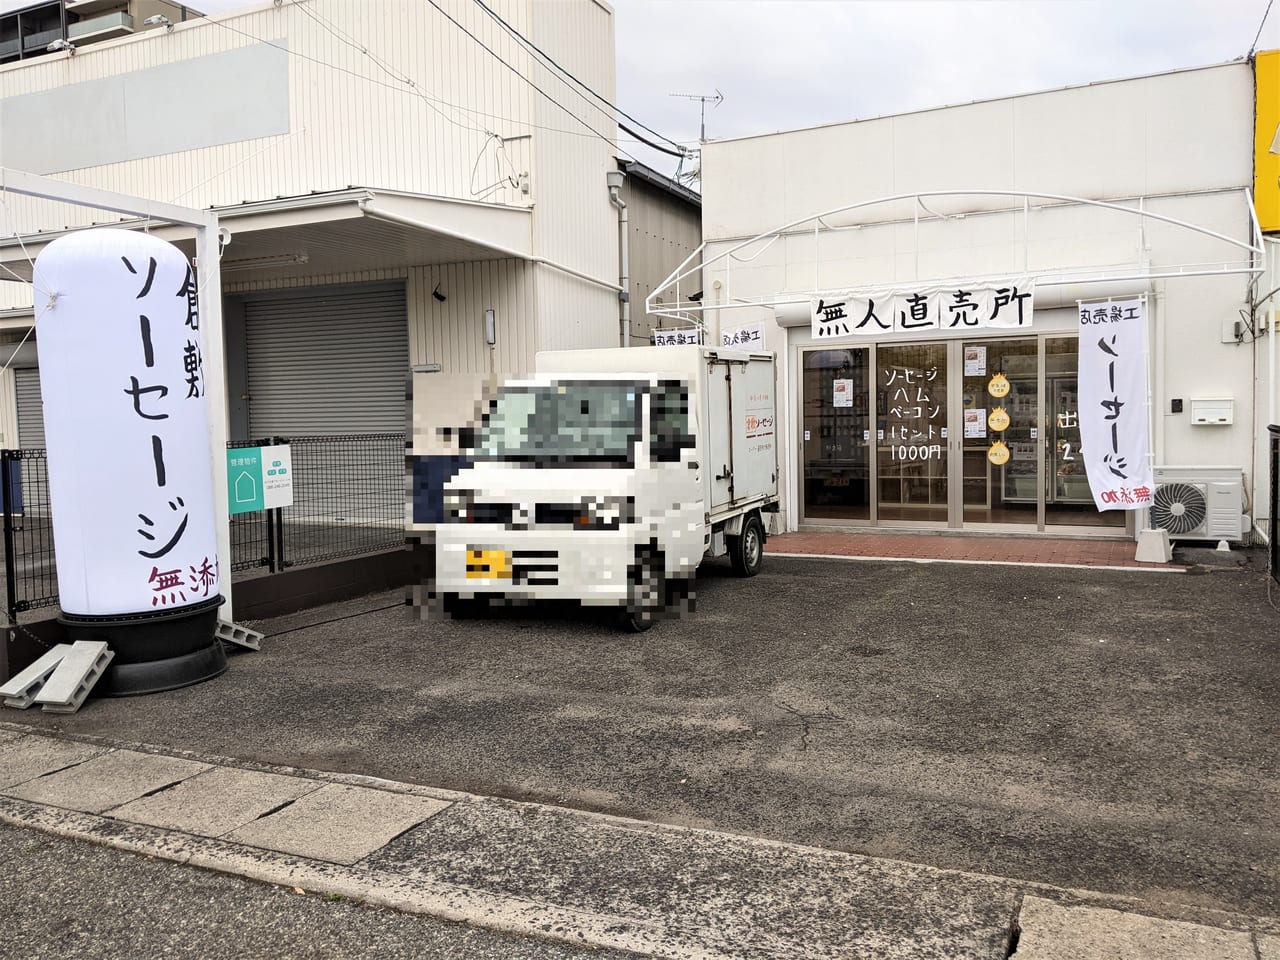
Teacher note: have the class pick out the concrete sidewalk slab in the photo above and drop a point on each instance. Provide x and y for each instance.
(217, 801)
(1268, 948)
(1054, 932)
(732, 897)
(338, 823)
(596, 880)
(106, 781)
(25, 758)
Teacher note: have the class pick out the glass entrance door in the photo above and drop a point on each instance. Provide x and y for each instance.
(836, 434)
(949, 433)
(1003, 435)
(912, 432)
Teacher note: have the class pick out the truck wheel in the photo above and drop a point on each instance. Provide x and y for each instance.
(747, 549)
(646, 593)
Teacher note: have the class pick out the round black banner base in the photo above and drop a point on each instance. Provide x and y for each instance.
(155, 651)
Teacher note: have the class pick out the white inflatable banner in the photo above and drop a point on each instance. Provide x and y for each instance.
(1114, 438)
(126, 426)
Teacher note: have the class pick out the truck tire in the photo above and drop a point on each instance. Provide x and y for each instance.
(646, 593)
(747, 549)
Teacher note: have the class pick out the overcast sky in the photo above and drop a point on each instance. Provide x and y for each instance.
(783, 64)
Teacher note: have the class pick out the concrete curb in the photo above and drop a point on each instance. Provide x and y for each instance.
(975, 563)
(663, 931)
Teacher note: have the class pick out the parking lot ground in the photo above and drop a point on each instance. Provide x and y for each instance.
(1104, 730)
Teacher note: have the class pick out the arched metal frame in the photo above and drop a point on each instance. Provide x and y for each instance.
(690, 311)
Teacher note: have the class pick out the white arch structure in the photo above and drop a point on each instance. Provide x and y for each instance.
(690, 311)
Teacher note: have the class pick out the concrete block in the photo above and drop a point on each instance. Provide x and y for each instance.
(238, 636)
(216, 802)
(1054, 932)
(70, 683)
(338, 823)
(20, 692)
(1268, 948)
(107, 781)
(1154, 547)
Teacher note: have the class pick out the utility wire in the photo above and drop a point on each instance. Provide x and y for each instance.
(1266, 13)
(398, 88)
(546, 96)
(334, 30)
(529, 44)
(680, 152)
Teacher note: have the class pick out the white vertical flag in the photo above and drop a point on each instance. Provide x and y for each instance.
(1113, 403)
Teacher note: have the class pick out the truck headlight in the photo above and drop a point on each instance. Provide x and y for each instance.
(457, 506)
(604, 513)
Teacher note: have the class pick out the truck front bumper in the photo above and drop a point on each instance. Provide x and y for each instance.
(589, 566)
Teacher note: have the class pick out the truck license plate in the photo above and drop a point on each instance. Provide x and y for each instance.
(488, 565)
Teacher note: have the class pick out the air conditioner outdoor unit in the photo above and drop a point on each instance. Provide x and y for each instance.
(1200, 503)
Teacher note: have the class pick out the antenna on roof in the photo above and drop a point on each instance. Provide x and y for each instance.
(714, 101)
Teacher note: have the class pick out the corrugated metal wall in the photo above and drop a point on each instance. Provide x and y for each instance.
(664, 231)
(451, 333)
(574, 315)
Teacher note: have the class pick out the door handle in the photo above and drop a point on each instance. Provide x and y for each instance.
(725, 475)
(693, 464)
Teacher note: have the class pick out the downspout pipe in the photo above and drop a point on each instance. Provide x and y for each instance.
(615, 179)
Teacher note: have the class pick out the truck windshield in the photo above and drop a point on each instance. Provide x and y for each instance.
(562, 423)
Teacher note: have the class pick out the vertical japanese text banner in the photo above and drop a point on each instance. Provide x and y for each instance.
(1114, 434)
(126, 427)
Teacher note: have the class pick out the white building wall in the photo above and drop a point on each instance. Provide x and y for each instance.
(1171, 133)
(575, 224)
(429, 111)
(573, 314)
(1182, 140)
(452, 333)
(350, 121)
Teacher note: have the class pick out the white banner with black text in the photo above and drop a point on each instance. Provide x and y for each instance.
(1114, 434)
(1007, 306)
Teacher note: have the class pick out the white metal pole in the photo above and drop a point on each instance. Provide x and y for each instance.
(209, 285)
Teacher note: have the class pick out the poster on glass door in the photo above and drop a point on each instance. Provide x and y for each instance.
(1114, 434)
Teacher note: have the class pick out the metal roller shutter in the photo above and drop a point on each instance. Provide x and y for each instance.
(327, 363)
(26, 388)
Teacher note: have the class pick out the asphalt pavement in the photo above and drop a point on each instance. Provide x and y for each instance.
(1098, 730)
(84, 901)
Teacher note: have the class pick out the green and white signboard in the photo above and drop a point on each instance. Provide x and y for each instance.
(259, 478)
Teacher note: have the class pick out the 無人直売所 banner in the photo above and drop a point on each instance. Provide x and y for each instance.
(1007, 305)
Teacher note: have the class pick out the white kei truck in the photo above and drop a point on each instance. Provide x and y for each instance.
(607, 477)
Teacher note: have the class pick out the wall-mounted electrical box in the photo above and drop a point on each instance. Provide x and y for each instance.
(1212, 410)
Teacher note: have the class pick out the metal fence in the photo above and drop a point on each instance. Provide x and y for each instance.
(348, 500)
(31, 578)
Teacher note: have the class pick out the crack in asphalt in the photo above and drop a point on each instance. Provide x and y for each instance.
(809, 720)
